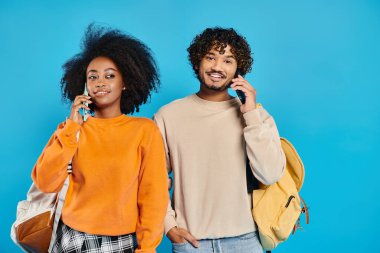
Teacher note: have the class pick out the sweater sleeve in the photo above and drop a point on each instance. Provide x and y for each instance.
(170, 220)
(266, 157)
(50, 170)
(152, 196)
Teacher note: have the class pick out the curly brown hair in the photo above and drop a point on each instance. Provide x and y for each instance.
(219, 38)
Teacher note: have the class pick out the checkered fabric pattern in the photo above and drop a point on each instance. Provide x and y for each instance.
(71, 241)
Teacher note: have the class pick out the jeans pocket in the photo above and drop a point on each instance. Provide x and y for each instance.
(179, 244)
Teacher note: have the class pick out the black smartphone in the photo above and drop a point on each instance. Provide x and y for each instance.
(239, 93)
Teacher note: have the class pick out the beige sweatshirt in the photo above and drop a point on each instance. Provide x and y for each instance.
(206, 148)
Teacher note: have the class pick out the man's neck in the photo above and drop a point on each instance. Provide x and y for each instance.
(213, 95)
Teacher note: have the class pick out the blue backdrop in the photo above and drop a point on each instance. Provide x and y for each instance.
(316, 70)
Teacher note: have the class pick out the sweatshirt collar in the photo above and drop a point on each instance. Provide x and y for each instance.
(111, 121)
(216, 105)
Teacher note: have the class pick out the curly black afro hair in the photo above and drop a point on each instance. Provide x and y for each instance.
(219, 38)
(133, 59)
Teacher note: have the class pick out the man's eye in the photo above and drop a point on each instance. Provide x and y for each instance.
(228, 61)
(209, 58)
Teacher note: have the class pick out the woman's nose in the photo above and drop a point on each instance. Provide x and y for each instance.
(99, 84)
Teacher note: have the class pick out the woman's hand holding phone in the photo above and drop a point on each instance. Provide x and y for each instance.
(239, 83)
(79, 103)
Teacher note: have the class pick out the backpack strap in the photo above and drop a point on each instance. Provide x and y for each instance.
(252, 182)
(304, 210)
(60, 202)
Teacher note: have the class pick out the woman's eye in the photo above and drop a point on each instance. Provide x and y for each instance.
(228, 61)
(110, 76)
(209, 58)
(92, 77)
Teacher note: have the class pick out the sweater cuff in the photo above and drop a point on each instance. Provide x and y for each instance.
(68, 134)
(252, 117)
(71, 126)
(170, 223)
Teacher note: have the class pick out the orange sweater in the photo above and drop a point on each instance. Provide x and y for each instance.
(119, 180)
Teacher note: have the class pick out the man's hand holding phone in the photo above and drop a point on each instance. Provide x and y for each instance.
(79, 103)
(239, 83)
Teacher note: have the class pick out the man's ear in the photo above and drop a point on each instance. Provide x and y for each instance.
(196, 67)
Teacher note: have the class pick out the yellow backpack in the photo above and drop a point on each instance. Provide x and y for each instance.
(277, 208)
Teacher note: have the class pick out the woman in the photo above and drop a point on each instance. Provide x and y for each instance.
(118, 188)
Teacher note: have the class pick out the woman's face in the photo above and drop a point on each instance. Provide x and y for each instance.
(104, 83)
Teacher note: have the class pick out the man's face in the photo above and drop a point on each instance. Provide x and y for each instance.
(217, 70)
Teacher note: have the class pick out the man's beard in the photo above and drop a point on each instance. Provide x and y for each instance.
(216, 88)
(223, 87)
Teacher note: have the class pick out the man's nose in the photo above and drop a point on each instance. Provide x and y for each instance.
(217, 66)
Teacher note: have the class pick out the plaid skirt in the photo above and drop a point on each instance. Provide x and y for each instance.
(71, 241)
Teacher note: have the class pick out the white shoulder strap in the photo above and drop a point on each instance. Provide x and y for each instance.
(61, 201)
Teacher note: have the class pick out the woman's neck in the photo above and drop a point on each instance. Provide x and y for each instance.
(105, 113)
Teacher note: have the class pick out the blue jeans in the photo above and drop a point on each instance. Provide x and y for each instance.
(247, 243)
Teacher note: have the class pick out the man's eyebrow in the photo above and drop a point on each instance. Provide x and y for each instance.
(226, 56)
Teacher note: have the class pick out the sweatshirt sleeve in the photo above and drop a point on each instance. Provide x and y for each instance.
(266, 157)
(152, 196)
(50, 170)
(170, 220)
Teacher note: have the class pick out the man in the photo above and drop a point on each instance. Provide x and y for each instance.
(208, 137)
